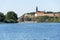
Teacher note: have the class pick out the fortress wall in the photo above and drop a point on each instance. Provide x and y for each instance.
(48, 14)
(57, 15)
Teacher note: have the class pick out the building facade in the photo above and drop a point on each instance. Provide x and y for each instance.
(42, 13)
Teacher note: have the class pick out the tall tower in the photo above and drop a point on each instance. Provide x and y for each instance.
(36, 8)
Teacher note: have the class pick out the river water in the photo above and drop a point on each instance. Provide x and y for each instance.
(30, 31)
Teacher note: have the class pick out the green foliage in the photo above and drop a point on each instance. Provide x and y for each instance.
(49, 12)
(27, 19)
(42, 19)
(11, 17)
(54, 19)
(47, 19)
(31, 13)
(2, 17)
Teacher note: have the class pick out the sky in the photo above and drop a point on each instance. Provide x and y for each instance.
(23, 6)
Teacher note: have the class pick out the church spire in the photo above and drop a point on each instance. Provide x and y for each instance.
(36, 8)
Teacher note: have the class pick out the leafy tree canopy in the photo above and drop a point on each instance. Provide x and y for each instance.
(11, 17)
(2, 17)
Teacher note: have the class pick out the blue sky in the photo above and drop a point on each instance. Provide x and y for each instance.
(24, 6)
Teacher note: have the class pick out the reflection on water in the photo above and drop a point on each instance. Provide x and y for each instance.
(30, 31)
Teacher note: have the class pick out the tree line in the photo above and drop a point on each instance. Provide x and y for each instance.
(10, 17)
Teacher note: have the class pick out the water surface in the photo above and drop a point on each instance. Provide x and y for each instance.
(30, 31)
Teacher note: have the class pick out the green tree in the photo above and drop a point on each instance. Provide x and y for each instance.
(2, 17)
(11, 17)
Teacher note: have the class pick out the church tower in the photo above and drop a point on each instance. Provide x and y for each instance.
(36, 8)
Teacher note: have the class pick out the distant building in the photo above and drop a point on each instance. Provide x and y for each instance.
(38, 13)
(42, 13)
